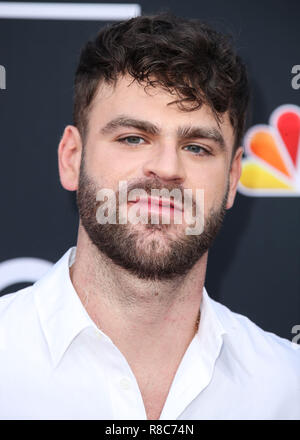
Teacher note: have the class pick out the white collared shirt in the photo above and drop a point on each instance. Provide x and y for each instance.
(56, 364)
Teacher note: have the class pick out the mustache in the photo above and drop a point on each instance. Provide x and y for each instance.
(156, 184)
(150, 184)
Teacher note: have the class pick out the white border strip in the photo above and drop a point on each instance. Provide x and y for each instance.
(69, 11)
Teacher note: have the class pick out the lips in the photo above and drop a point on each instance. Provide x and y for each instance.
(153, 203)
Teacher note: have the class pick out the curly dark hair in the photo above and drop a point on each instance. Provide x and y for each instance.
(184, 56)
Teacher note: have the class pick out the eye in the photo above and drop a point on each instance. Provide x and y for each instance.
(197, 150)
(132, 140)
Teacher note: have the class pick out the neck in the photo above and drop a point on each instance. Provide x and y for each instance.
(113, 297)
(143, 318)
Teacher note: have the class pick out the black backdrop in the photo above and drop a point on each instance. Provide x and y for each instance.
(254, 265)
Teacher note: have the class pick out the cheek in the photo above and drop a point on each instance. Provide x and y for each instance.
(103, 165)
(214, 186)
(213, 197)
(115, 163)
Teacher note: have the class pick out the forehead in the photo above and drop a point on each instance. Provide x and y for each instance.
(153, 104)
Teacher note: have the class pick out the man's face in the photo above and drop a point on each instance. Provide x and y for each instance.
(135, 136)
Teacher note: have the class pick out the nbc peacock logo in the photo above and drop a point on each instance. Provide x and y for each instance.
(272, 163)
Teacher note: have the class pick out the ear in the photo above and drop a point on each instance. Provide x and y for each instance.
(234, 176)
(69, 158)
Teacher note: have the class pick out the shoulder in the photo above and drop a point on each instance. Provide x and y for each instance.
(24, 303)
(17, 312)
(260, 367)
(12, 301)
(262, 352)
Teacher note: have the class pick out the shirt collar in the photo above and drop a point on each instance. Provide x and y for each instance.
(211, 325)
(62, 315)
(198, 363)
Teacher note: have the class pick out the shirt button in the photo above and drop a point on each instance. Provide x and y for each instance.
(125, 383)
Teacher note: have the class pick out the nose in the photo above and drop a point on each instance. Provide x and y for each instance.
(165, 163)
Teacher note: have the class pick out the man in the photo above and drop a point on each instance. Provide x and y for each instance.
(122, 326)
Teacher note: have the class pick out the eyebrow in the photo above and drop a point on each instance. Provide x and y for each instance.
(185, 132)
(212, 133)
(123, 121)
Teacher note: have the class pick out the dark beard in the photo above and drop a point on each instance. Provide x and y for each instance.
(132, 250)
